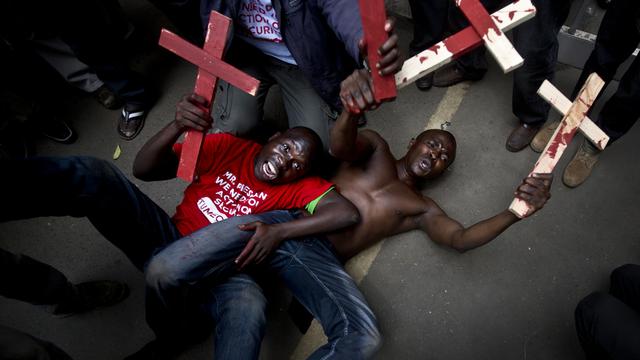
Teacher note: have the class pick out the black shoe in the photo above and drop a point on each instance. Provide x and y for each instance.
(131, 121)
(56, 130)
(107, 98)
(92, 295)
(452, 75)
(425, 82)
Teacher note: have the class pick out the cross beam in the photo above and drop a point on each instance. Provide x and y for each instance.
(562, 136)
(461, 43)
(373, 16)
(210, 68)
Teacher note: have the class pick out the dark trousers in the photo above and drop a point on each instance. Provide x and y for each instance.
(617, 38)
(608, 325)
(429, 23)
(537, 42)
(94, 30)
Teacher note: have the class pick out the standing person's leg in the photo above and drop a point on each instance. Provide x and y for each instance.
(17, 345)
(303, 104)
(537, 42)
(617, 39)
(235, 111)
(429, 27)
(86, 187)
(311, 270)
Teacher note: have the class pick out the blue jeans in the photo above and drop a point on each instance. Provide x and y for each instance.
(308, 267)
(98, 190)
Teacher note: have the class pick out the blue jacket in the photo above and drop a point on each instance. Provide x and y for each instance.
(322, 36)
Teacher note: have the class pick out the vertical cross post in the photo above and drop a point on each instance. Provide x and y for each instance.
(210, 68)
(374, 16)
(562, 136)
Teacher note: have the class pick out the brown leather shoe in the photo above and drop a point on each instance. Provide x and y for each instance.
(521, 136)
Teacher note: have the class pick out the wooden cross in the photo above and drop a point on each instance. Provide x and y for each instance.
(373, 16)
(464, 41)
(210, 68)
(563, 135)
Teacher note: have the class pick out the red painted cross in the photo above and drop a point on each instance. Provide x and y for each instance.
(210, 68)
(462, 42)
(373, 16)
(563, 135)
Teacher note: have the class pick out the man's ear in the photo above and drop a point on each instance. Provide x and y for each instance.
(411, 142)
(278, 133)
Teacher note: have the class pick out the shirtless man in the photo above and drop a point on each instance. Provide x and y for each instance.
(386, 192)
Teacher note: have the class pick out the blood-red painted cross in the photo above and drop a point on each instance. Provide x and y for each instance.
(373, 16)
(573, 120)
(485, 28)
(210, 69)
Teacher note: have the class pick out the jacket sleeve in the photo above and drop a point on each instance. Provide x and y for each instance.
(343, 17)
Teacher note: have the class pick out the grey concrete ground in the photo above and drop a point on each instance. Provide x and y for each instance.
(512, 299)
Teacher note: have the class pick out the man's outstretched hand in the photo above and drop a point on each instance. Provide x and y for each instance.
(356, 92)
(264, 240)
(535, 191)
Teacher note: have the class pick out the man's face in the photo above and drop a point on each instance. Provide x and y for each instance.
(430, 154)
(285, 158)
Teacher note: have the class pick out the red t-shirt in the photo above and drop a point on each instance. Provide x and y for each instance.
(227, 185)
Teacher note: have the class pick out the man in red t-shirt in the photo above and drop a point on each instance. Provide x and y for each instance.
(235, 180)
(234, 177)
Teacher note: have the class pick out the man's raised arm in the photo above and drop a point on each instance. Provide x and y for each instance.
(156, 160)
(446, 231)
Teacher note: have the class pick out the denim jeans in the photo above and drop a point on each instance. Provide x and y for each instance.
(308, 267)
(96, 189)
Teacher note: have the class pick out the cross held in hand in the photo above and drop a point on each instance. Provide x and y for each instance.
(563, 135)
(374, 16)
(210, 69)
(470, 38)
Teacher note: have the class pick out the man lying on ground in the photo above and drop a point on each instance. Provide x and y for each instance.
(386, 192)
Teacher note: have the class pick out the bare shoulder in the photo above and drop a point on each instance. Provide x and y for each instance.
(378, 143)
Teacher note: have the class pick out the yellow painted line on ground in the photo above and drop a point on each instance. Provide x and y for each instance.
(358, 267)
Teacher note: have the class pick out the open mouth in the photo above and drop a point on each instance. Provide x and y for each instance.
(425, 165)
(270, 170)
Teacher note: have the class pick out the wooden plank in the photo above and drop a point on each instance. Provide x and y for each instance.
(205, 86)
(216, 67)
(562, 136)
(374, 16)
(494, 39)
(559, 102)
(460, 43)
